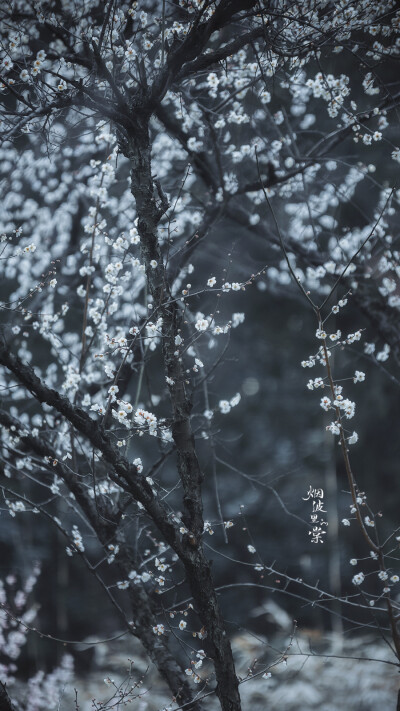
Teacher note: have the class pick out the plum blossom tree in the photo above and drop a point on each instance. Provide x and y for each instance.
(134, 134)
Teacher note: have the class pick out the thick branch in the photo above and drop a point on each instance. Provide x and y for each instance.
(194, 43)
(207, 60)
(138, 486)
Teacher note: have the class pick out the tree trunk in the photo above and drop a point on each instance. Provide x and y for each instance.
(197, 567)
